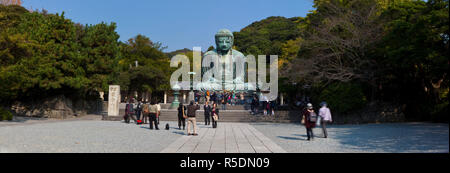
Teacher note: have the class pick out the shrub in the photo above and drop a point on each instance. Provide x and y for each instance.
(343, 97)
(439, 113)
(5, 115)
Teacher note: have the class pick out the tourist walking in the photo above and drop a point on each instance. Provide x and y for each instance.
(265, 104)
(233, 99)
(129, 113)
(214, 97)
(242, 97)
(309, 118)
(191, 110)
(325, 114)
(138, 110)
(207, 96)
(254, 105)
(158, 107)
(272, 107)
(153, 114)
(207, 108)
(181, 116)
(145, 112)
(215, 115)
(224, 103)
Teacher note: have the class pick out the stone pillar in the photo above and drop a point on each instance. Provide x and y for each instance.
(165, 97)
(113, 100)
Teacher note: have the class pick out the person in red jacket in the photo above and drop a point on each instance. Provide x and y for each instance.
(306, 120)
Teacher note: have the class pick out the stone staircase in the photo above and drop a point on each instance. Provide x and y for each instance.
(228, 115)
(237, 113)
(233, 113)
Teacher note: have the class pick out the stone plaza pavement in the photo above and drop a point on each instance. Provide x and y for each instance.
(227, 138)
(91, 135)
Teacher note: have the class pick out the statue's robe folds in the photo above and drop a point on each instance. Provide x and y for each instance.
(228, 75)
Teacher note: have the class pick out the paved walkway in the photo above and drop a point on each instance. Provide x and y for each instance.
(90, 135)
(227, 138)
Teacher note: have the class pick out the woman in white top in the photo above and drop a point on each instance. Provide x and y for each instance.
(325, 114)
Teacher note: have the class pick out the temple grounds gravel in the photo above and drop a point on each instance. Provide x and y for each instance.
(366, 138)
(86, 137)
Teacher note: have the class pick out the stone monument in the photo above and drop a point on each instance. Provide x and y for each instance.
(113, 100)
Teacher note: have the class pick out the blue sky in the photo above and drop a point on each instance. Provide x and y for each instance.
(175, 23)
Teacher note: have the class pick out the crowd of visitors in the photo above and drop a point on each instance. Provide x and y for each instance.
(143, 113)
(224, 97)
(149, 113)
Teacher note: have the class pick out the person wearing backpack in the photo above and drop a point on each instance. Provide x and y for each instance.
(309, 118)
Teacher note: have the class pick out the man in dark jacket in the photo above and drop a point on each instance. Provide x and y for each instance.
(129, 112)
(191, 110)
(181, 112)
(254, 105)
(138, 110)
(214, 97)
(207, 109)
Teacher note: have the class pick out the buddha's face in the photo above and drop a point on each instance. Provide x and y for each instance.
(224, 43)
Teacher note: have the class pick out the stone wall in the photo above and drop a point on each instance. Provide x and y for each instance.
(58, 107)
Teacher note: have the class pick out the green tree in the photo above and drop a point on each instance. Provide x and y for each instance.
(101, 49)
(415, 54)
(47, 54)
(10, 15)
(152, 72)
(267, 36)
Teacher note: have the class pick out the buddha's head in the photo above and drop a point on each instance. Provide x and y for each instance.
(224, 40)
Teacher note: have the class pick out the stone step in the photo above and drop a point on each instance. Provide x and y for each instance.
(229, 107)
(230, 116)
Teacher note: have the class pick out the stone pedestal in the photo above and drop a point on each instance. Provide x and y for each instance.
(113, 100)
(175, 103)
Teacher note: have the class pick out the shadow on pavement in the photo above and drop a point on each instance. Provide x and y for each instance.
(394, 137)
(179, 133)
(291, 138)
